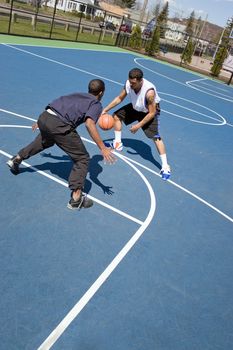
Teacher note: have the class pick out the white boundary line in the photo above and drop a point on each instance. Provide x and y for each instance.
(73, 313)
(101, 49)
(188, 83)
(63, 64)
(59, 330)
(63, 183)
(115, 82)
(185, 190)
(156, 173)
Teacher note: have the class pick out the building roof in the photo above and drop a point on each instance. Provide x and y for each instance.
(113, 8)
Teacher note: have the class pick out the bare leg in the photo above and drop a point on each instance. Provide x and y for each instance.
(160, 146)
(117, 123)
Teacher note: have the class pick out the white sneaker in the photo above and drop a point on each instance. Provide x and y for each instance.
(165, 172)
(118, 146)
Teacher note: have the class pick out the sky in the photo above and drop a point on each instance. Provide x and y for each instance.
(218, 11)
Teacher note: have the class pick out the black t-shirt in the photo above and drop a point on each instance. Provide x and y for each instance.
(74, 109)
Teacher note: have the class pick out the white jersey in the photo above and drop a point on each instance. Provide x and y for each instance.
(139, 100)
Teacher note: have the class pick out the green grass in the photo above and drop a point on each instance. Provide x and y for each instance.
(24, 27)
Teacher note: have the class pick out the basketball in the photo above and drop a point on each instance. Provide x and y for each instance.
(106, 121)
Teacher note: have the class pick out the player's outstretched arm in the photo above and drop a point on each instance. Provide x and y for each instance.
(106, 152)
(115, 101)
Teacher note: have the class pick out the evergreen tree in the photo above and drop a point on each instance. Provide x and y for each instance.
(222, 52)
(129, 3)
(152, 46)
(190, 24)
(135, 40)
(186, 56)
(162, 19)
(156, 10)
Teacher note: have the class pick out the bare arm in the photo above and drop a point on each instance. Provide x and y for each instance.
(115, 101)
(106, 152)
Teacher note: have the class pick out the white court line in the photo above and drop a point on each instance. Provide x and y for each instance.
(183, 189)
(221, 122)
(213, 93)
(154, 172)
(74, 312)
(59, 330)
(63, 183)
(14, 126)
(17, 115)
(71, 48)
(188, 83)
(63, 64)
(113, 81)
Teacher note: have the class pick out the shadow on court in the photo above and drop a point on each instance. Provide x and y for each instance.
(63, 167)
(137, 147)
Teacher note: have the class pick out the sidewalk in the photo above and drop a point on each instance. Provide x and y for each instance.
(198, 64)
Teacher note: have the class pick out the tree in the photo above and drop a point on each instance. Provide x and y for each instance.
(222, 52)
(135, 40)
(152, 46)
(162, 20)
(129, 3)
(190, 24)
(156, 10)
(186, 56)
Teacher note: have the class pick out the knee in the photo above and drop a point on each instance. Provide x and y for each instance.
(116, 117)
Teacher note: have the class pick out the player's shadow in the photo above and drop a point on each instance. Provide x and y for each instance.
(138, 147)
(63, 167)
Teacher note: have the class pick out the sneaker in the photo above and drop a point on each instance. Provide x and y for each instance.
(165, 172)
(117, 146)
(13, 164)
(83, 202)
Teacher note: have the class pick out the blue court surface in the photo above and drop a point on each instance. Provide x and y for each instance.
(150, 265)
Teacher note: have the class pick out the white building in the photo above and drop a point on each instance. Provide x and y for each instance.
(87, 7)
(175, 31)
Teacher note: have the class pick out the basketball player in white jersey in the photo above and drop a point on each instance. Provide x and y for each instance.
(144, 109)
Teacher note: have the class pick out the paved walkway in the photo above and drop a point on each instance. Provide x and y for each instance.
(199, 63)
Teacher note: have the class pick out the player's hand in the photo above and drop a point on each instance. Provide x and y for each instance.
(108, 156)
(34, 127)
(134, 128)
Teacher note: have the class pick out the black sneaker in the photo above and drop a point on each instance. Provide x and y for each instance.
(83, 202)
(13, 164)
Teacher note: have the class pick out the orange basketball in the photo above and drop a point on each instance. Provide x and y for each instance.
(106, 121)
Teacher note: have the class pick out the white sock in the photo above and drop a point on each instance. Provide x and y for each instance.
(163, 158)
(117, 136)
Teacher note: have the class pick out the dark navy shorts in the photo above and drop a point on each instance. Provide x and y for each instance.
(129, 115)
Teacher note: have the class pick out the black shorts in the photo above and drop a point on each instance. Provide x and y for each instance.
(129, 115)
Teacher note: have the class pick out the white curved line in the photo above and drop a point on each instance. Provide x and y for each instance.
(190, 119)
(175, 184)
(195, 112)
(218, 94)
(183, 189)
(63, 183)
(74, 312)
(199, 105)
(161, 75)
(188, 83)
